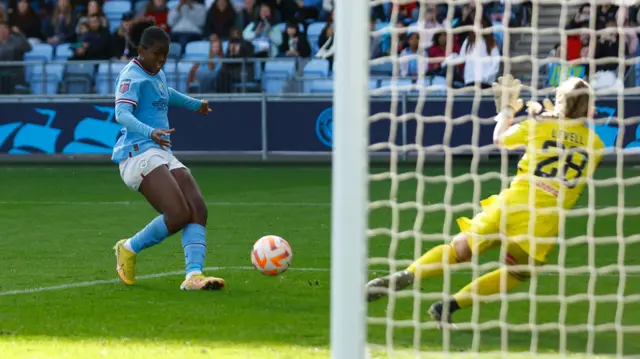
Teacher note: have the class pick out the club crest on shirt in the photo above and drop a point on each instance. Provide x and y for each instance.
(124, 86)
(161, 88)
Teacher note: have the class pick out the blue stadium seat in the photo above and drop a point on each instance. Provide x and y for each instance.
(106, 77)
(172, 4)
(225, 46)
(140, 6)
(388, 84)
(63, 52)
(197, 50)
(317, 68)
(114, 9)
(177, 73)
(78, 77)
(114, 25)
(175, 51)
(321, 86)
(279, 67)
(39, 52)
(46, 79)
(383, 69)
(313, 34)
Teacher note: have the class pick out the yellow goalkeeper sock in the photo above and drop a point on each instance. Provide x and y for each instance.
(431, 263)
(488, 284)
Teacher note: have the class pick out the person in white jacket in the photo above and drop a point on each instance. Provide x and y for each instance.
(186, 22)
(481, 58)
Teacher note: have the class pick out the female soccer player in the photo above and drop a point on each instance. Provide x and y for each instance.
(147, 164)
(561, 153)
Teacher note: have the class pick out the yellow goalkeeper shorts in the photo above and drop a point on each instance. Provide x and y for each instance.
(533, 228)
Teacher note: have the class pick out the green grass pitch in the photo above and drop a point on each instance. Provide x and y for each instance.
(59, 296)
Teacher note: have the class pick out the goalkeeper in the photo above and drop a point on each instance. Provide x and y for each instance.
(561, 153)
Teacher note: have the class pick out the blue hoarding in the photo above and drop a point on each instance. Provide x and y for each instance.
(294, 126)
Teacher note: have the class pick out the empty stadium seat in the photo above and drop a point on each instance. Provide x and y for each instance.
(197, 50)
(383, 69)
(175, 51)
(177, 73)
(313, 34)
(46, 79)
(40, 53)
(317, 67)
(106, 77)
(140, 6)
(321, 86)
(63, 52)
(114, 9)
(400, 84)
(78, 77)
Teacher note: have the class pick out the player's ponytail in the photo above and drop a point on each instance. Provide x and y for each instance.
(137, 28)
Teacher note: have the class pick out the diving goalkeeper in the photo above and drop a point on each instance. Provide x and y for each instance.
(561, 152)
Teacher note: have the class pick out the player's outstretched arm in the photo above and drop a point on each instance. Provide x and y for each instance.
(506, 92)
(125, 117)
(179, 99)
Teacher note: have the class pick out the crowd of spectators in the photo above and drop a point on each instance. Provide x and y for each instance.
(246, 26)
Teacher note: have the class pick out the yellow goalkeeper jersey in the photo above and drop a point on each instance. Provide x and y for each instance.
(560, 155)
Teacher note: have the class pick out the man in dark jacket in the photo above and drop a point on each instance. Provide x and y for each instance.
(13, 46)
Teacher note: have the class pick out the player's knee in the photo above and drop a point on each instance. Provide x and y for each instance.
(177, 218)
(461, 245)
(516, 268)
(199, 211)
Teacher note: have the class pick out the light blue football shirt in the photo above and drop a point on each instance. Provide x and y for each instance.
(142, 104)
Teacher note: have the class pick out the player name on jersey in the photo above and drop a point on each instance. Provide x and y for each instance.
(568, 136)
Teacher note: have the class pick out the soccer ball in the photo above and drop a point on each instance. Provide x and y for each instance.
(271, 255)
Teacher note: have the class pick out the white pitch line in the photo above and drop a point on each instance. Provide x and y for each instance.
(142, 277)
(245, 268)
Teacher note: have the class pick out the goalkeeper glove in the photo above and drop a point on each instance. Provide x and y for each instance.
(506, 93)
(534, 107)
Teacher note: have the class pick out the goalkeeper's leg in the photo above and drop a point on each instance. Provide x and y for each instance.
(488, 284)
(431, 264)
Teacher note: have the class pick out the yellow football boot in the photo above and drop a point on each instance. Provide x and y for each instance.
(200, 282)
(125, 263)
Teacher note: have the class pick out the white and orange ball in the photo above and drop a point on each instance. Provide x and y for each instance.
(271, 255)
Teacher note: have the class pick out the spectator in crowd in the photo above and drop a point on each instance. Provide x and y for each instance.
(237, 4)
(94, 41)
(220, 19)
(581, 19)
(157, 9)
(204, 76)
(467, 18)
(407, 11)
(439, 50)
(308, 9)
(187, 22)
(412, 67)
(431, 25)
(93, 8)
(481, 58)
(325, 41)
(248, 13)
(605, 13)
(327, 8)
(233, 73)
(25, 19)
(294, 43)
(258, 32)
(607, 47)
(61, 27)
(13, 46)
(120, 46)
